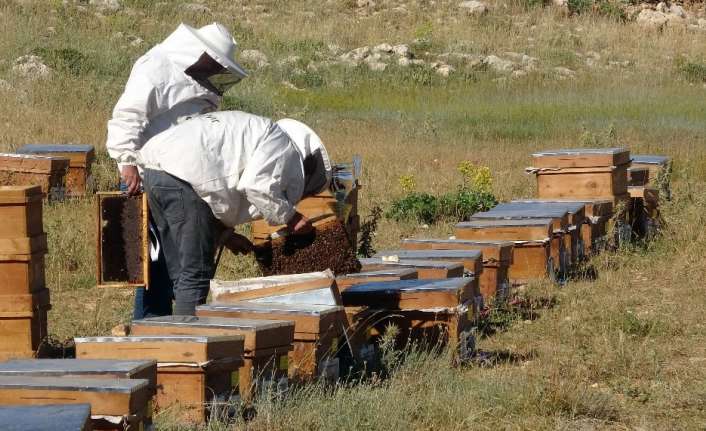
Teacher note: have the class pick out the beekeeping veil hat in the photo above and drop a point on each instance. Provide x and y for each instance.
(317, 164)
(187, 44)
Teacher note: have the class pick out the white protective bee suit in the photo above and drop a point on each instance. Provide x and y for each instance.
(159, 94)
(245, 167)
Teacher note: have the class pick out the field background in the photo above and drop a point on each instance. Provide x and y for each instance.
(626, 351)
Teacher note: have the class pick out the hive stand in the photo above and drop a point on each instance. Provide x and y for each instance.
(426, 269)
(79, 180)
(266, 346)
(497, 258)
(50, 417)
(531, 254)
(317, 330)
(116, 404)
(194, 373)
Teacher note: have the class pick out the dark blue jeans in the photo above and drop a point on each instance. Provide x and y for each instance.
(189, 234)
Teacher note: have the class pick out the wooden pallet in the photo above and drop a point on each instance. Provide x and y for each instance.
(426, 269)
(390, 274)
(79, 181)
(191, 370)
(69, 417)
(413, 294)
(279, 288)
(125, 399)
(48, 173)
(317, 329)
(112, 253)
(472, 260)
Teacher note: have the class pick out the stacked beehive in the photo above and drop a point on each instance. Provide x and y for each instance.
(47, 172)
(79, 181)
(24, 298)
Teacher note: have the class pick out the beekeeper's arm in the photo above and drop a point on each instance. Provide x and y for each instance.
(131, 115)
(273, 181)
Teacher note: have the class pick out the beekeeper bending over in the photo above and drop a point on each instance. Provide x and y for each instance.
(185, 75)
(219, 170)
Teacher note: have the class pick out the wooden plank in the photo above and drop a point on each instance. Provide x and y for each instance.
(389, 274)
(22, 274)
(47, 172)
(32, 163)
(576, 210)
(472, 260)
(581, 157)
(512, 230)
(22, 332)
(171, 348)
(13, 305)
(426, 269)
(493, 251)
(27, 245)
(263, 287)
(21, 211)
(92, 368)
(70, 417)
(258, 334)
(412, 294)
(309, 319)
(529, 262)
(559, 216)
(78, 155)
(109, 397)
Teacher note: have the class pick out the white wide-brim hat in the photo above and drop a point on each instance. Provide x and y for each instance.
(307, 142)
(220, 45)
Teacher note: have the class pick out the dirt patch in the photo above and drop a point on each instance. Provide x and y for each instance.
(328, 247)
(122, 239)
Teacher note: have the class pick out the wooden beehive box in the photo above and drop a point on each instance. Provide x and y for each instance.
(195, 372)
(412, 294)
(531, 253)
(390, 274)
(21, 211)
(122, 240)
(48, 417)
(645, 216)
(426, 269)
(317, 329)
(660, 171)
(124, 400)
(79, 181)
(266, 343)
(638, 176)
(472, 260)
(49, 173)
(497, 258)
(23, 319)
(586, 173)
(309, 288)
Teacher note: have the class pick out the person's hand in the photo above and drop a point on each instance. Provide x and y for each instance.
(299, 224)
(237, 243)
(131, 178)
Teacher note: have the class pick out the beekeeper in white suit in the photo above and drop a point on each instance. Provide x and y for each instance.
(183, 76)
(216, 171)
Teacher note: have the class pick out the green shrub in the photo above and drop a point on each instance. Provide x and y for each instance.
(65, 59)
(421, 207)
(692, 71)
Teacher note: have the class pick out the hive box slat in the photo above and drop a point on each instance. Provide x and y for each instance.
(317, 329)
(426, 269)
(12, 305)
(23, 245)
(259, 334)
(659, 167)
(390, 274)
(21, 211)
(47, 172)
(118, 263)
(581, 158)
(190, 369)
(107, 397)
(21, 274)
(319, 287)
(472, 260)
(92, 368)
(412, 294)
(79, 179)
(497, 257)
(582, 183)
(50, 417)
(23, 330)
